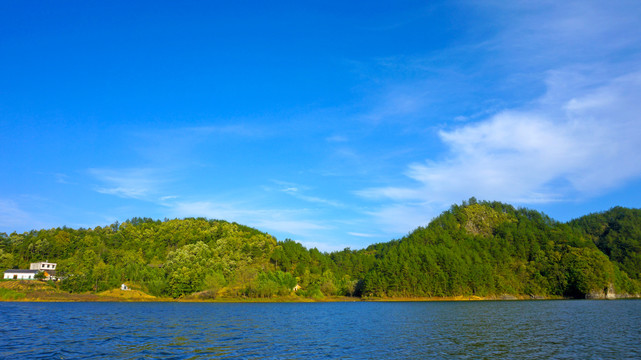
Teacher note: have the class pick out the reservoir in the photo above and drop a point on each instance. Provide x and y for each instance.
(561, 329)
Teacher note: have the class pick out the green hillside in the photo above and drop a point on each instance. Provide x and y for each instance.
(486, 249)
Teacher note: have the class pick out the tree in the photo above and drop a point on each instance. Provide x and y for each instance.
(187, 268)
(213, 282)
(6, 260)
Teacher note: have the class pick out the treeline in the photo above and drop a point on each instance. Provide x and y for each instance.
(476, 248)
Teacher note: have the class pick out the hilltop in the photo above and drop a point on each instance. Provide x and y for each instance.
(473, 250)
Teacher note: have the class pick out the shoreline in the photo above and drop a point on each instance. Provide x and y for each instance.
(81, 298)
(42, 292)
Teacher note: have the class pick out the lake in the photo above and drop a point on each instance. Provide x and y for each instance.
(358, 330)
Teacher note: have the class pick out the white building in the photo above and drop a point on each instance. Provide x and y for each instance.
(43, 265)
(20, 274)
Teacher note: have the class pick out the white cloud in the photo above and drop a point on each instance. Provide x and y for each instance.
(582, 143)
(580, 139)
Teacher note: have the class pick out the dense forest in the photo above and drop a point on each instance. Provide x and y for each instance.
(476, 248)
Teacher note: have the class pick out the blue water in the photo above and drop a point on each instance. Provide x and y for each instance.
(358, 330)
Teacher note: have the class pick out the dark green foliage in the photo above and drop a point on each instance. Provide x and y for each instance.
(617, 233)
(587, 270)
(489, 248)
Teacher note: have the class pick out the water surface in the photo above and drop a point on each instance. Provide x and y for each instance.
(394, 330)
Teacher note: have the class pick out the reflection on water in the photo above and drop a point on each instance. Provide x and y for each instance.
(501, 329)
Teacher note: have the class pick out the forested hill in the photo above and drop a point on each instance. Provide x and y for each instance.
(476, 248)
(491, 248)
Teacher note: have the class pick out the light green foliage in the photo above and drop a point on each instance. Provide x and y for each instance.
(6, 260)
(483, 220)
(346, 286)
(326, 283)
(269, 284)
(100, 274)
(214, 282)
(187, 268)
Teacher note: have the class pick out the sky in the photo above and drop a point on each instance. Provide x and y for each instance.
(334, 124)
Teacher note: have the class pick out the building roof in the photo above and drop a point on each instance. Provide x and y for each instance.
(22, 271)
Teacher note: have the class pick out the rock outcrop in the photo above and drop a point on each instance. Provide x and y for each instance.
(607, 293)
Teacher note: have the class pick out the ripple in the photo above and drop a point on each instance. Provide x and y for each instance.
(532, 329)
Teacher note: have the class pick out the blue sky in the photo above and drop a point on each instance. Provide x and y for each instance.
(334, 124)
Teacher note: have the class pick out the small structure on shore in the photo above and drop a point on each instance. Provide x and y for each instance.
(124, 287)
(296, 288)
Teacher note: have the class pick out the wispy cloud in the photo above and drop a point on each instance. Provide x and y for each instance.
(337, 139)
(128, 183)
(63, 179)
(241, 130)
(283, 221)
(357, 234)
(300, 192)
(13, 217)
(401, 100)
(297, 192)
(563, 31)
(169, 197)
(324, 246)
(402, 217)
